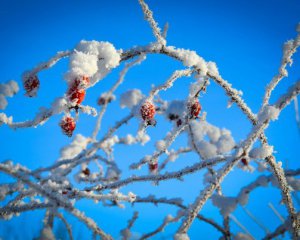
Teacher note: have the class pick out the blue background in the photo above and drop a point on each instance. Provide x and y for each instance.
(244, 38)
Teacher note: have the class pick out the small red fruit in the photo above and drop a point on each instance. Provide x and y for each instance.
(148, 110)
(102, 100)
(68, 125)
(153, 166)
(31, 85)
(76, 92)
(86, 171)
(195, 108)
(244, 161)
(76, 95)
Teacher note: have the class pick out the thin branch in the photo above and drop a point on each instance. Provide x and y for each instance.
(68, 226)
(153, 24)
(237, 222)
(112, 89)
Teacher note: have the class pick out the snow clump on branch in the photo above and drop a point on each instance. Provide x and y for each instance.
(93, 59)
(8, 89)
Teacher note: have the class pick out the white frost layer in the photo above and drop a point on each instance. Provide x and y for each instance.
(225, 204)
(268, 113)
(161, 145)
(220, 140)
(47, 234)
(192, 59)
(131, 98)
(79, 143)
(212, 68)
(4, 119)
(242, 236)
(59, 105)
(3, 102)
(8, 89)
(261, 152)
(181, 236)
(176, 108)
(93, 59)
(82, 64)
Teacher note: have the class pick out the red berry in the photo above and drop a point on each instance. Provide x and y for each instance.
(64, 192)
(68, 125)
(244, 161)
(147, 110)
(76, 92)
(195, 108)
(102, 100)
(153, 166)
(31, 85)
(86, 172)
(76, 95)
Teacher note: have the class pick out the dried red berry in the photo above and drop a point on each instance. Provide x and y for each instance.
(195, 108)
(68, 125)
(64, 192)
(153, 166)
(86, 171)
(31, 85)
(147, 110)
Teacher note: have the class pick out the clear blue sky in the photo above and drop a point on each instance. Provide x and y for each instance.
(244, 38)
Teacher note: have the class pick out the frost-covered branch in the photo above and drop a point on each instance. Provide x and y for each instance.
(68, 226)
(177, 202)
(159, 177)
(153, 24)
(94, 166)
(289, 48)
(167, 220)
(126, 234)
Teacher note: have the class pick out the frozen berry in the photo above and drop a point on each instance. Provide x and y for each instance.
(31, 85)
(102, 100)
(195, 108)
(68, 125)
(76, 92)
(244, 161)
(153, 166)
(76, 95)
(147, 110)
(86, 171)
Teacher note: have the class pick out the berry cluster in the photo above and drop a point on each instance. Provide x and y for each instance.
(75, 94)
